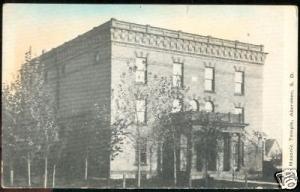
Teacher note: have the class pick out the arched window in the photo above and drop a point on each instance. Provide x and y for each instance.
(194, 105)
(209, 106)
(177, 106)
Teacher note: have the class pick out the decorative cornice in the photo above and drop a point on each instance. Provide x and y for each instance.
(154, 37)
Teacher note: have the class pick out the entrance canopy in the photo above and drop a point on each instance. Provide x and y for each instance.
(204, 118)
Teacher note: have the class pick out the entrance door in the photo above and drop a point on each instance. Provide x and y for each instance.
(227, 151)
(168, 161)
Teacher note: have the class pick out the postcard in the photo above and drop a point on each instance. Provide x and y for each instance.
(149, 96)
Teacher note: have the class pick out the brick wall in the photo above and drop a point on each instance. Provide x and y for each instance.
(78, 72)
(160, 62)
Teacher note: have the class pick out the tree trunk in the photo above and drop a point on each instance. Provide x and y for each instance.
(124, 180)
(150, 161)
(139, 167)
(175, 161)
(246, 179)
(190, 160)
(161, 158)
(86, 168)
(53, 176)
(46, 172)
(29, 170)
(206, 165)
(11, 177)
(139, 157)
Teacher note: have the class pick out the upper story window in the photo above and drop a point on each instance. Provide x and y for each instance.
(177, 74)
(141, 70)
(209, 106)
(239, 111)
(209, 79)
(239, 83)
(141, 111)
(177, 106)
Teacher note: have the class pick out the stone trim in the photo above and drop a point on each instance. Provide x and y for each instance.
(177, 59)
(132, 45)
(239, 68)
(184, 42)
(141, 54)
(241, 105)
(209, 64)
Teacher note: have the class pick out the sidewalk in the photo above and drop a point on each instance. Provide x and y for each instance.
(253, 183)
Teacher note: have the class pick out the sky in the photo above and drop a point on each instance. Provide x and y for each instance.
(47, 26)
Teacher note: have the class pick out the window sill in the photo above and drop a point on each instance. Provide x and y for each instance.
(140, 83)
(239, 94)
(205, 91)
(141, 124)
(177, 87)
(142, 164)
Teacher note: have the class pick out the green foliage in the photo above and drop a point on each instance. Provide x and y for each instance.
(159, 94)
(28, 104)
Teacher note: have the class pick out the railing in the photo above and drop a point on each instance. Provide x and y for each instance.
(203, 117)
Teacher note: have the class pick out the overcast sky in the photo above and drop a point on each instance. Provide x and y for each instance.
(47, 26)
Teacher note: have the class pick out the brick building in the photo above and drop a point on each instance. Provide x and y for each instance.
(224, 76)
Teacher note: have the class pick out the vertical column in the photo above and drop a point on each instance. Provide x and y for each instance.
(231, 159)
(194, 159)
(159, 158)
(233, 155)
(220, 154)
(240, 149)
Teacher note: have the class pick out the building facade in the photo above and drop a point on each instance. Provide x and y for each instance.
(224, 77)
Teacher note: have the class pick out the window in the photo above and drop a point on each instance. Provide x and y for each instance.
(141, 111)
(177, 74)
(143, 152)
(194, 105)
(209, 106)
(141, 70)
(177, 106)
(209, 79)
(239, 83)
(239, 111)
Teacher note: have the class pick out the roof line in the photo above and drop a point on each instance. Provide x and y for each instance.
(191, 34)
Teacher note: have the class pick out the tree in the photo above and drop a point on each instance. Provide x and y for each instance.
(32, 110)
(26, 147)
(18, 95)
(43, 114)
(9, 142)
(130, 109)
